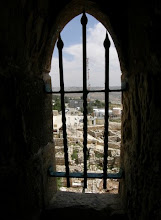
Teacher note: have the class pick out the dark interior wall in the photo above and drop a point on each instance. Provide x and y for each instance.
(141, 140)
(26, 148)
(29, 31)
(25, 131)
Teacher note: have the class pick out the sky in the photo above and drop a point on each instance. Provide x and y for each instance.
(72, 56)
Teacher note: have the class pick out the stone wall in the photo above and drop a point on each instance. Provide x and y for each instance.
(29, 30)
(25, 128)
(141, 151)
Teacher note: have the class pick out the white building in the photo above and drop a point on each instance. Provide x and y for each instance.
(116, 111)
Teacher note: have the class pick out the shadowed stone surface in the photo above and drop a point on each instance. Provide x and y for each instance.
(73, 205)
(29, 30)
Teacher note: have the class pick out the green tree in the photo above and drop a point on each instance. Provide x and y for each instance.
(89, 108)
(99, 104)
(57, 105)
(66, 99)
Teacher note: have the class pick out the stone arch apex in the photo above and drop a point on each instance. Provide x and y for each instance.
(69, 12)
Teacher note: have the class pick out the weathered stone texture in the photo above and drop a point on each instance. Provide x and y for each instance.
(29, 30)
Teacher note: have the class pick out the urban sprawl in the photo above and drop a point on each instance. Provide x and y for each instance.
(95, 141)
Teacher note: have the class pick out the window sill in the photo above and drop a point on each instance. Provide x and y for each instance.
(69, 204)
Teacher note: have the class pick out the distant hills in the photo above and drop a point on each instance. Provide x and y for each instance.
(114, 97)
(81, 88)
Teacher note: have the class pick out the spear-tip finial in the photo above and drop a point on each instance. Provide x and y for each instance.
(60, 43)
(107, 41)
(84, 19)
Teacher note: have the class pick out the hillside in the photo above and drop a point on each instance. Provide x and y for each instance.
(114, 97)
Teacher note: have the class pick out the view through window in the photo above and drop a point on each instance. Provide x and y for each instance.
(73, 81)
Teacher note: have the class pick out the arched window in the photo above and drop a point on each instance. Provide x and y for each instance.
(84, 110)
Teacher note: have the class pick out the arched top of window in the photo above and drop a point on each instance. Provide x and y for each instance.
(72, 58)
(67, 14)
(85, 89)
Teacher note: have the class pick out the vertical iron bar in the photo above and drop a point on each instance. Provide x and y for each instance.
(107, 46)
(60, 47)
(84, 23)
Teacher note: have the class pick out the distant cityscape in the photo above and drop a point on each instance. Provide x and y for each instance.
(95, 137)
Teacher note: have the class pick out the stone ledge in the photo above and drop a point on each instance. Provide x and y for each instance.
(72, 205)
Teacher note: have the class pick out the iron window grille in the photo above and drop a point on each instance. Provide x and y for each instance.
(85, 175)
